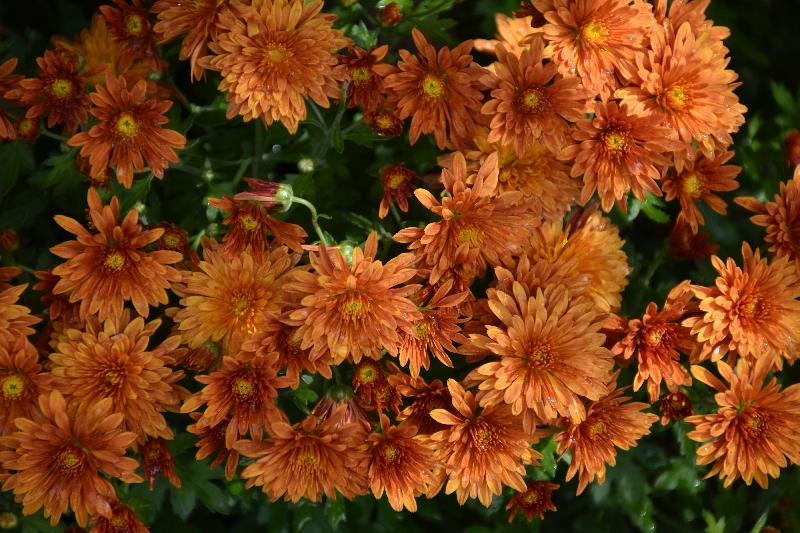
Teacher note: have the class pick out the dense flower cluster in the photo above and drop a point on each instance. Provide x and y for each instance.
(511, 287)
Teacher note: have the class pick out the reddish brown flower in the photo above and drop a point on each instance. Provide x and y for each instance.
(427, 397)
(385, 123)
(57, 460)
(750, 311)
(527, 105)
(482, 450)
(791, 146)
(103, 270)
(617, 152)
(674, 406)
(58, 305)
(27, 129)
(595, 39)
(130, 26)
(122, 520)
(658, 340)
(57, 91)
(275, 54)
(400, 463)
(195, 21)
(129, 133)
(534, 501)
(366, 84)
(396, 181)
(683, 243)
(112, 360)
(212, 440)
(697, 183)
(157, 461)
(307, 460)
(354, 309)
(21, 382)
(611, 422)
(372, 390)
(781, 218)
(478, 226)
(390, 14)
(240, 393)
(440, 91)
(754, 431)
(342, 397)
(250, 222)
(8, 84)
(9, 240)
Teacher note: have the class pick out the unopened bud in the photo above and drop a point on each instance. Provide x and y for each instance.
(390, 15)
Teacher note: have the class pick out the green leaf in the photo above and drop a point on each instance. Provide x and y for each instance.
(37, 523)
(17, 159)
(783, 97)
(183, 500)
(21, 210)
(58, 173)
(305, 394)
(335, 512)
(712, 524)
(762, 521)
(651, 208)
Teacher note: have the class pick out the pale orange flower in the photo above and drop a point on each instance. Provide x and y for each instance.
(511, 33)
(755, 429)
(781, 218)
(15, 319)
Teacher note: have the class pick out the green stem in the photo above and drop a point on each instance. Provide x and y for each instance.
(314, 219)
(27, 269)
(258, 148)
(241, 170)
(396, 214)
(55, 136)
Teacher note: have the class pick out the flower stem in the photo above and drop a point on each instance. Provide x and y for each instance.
(314, 219)
(55, 136)
(258, 148)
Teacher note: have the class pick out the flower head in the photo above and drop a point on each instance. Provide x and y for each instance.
(511, 33)
(128, 135)
(157, 461)
(754, 430)
(15, 319)
(250, 222)
(104, 270)
(366, 84)
(22, 380)
(533, 501)
(674, 406)
(122, 520)
(781, 218)
(396, 181)
(211, 439)
(427, 397)
(8, 84)
(130, 27)
(57, 458)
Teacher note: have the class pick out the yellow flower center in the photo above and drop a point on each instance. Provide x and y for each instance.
(173, 241)
(118, 524)
(134, 25)
(692, 185)
(115, 261)
(532, 497)
(391, 454)
(421, 328)
(615, 141)
(385, 121)
(113, 377)
(541, 356)
(396, 180)
(655, 336)
(531, 100)
(249, 222)
(61, 88)
(353, 309)
(483, 436)
(70, 459)
(677, 96)
(127, 126)
(360, 75)
(276, 54)
(594, 31)
(26, 127)
(753, 307)
(755, 422)
(473, 237)
(13, 387)
(368, 374)
(432, 86)
(243, 387)
(241, 307)
(306, 463)
(596, 429)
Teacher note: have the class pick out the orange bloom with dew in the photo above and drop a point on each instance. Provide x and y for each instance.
(397, 188)
(511, 33)
(227, 298)
(440, 91)
(366, 84)
(112, 360)
(104, 270)
(354, 309)
(401, 464)
(195, 21)
(551, 354)
(534, 501)
(58, 91)
(754, 432)
(611, 422)
(657, 341)
(597, 40)
(22, 380)
(130, 27)
(241, 393)
(478, 226)
(373, 391)
(274, 55)
(617, 152)
(750, 311)
(250, 223)
(528, 105)
(129, 133)
(307, 460)
(780, 217)
(56, 460)
(697, 182)
(15, 319)
(8, 83)
(483, 450)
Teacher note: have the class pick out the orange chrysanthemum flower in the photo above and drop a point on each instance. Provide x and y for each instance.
(212, 440)
(683, 243)
(57, 91)
(130, 26)
(791, 145)
(275, 54)
(21, 382)
(250, 222)
(754, 431)
(697, 182)
(128, 135)
(104, 270)
(157, 461)
(8, 84)
(226, 300)
(373, 391)
(527, 105)
(366, 84)
(58, 305)
(534, 501)
(482, 450)
(479, 227)
(15, 319)
(400, 463)
(122, 520)
(781, 218)
(354, 309)
(307, 460)
(111, 360)
(427, 397)
(241, 393)
(385, 122)
(751, 311)
(342, 397)
(27, 129)
(617, 152)
(58, 458)
(511, 33)
(441, 92)
(397, 188)
(658, 340)
(196, 21)
(611, 422)
(674, 406)
(551, 354)
(595, 39)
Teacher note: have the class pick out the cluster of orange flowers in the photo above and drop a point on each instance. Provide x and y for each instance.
(595, 96)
